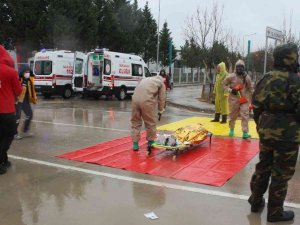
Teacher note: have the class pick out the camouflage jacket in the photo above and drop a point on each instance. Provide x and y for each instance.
(276, 107)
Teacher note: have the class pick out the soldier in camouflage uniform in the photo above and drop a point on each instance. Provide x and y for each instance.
(276, 110)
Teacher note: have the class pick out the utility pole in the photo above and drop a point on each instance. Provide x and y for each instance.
(157, 53)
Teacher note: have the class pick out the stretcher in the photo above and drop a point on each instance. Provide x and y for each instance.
(182, 139)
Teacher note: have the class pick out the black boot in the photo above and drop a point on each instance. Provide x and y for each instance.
(217, 117)
(256, 205)
(283, 216)
(224, 119)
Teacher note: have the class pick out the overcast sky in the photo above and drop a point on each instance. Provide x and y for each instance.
(242, 16)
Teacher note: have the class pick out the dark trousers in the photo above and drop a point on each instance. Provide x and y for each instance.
(7, 132)
(25, 106)
(277, 160)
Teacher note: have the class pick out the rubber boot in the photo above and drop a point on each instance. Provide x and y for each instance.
(283, 216)
(256, 205)
(135, 146)
(246, 135)
(231, 132)
(224, 119)
(217, 118)
(150, 143)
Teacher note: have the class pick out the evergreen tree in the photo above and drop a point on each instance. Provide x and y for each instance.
(165, 38)
(147, 35)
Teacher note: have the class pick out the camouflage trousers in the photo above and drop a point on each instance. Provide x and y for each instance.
(277, 160)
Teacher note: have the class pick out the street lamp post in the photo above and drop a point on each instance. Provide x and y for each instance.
(246, 35)
(157, 51)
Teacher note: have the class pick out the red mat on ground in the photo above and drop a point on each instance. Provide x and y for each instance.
(206, 164)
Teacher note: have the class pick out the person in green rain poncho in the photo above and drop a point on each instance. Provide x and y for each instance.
(221, 95)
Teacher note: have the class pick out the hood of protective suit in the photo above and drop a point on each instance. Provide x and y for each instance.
(5, 58)
(222, 67)
(240, 62)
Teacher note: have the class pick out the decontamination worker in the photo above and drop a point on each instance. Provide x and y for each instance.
(239, 86)
(10, 88)
(221, 95)
(149, 94)
(276, 108)
(27, 96)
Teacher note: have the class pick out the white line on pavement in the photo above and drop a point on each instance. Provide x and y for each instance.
(78, 125)
(143, 181)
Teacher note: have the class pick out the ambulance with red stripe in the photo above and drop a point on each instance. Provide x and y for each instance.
(53, 72)
(103, 72)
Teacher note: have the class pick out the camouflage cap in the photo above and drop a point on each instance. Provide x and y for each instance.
(286, 56)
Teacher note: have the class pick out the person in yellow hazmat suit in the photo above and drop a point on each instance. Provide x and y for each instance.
(148, 95)
(221, 95)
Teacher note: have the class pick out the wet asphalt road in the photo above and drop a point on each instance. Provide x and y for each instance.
(42, 189)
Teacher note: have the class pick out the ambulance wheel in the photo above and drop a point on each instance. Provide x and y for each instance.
(67, 92)
(122, 94)
(96, 96)
(47, 95)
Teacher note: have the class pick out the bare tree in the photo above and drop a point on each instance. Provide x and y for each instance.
(290, 35)
(198, 27)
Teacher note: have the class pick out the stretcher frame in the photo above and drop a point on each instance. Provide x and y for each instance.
(179, 148)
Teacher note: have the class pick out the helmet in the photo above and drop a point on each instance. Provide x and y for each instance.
(286, 57)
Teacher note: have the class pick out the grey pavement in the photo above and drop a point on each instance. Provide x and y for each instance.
(41, 189)
(189, 97)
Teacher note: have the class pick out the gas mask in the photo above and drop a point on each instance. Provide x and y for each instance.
(240, 70)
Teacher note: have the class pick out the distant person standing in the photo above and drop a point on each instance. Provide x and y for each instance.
(221, 95)
(276, 108)
(166, 78)
(10, 88)
(148, 95)
(240, 89)
(27, 97)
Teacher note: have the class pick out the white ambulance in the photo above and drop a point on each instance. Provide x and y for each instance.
(103, 72)
(53, 72)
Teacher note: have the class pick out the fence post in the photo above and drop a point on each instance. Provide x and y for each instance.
(186, 78)
(179, 80)
(193, 76)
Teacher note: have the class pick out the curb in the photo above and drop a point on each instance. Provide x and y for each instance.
(190, 108)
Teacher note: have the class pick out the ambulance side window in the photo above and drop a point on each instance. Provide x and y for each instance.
(137, 70)
(147, 73)
(43, 67)
(107, 67)
(78, 66)
(47, 67)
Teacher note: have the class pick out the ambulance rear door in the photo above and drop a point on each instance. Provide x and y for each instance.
(95, 70)
(79, 79)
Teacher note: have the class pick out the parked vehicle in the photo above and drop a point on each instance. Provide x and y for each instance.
(53, 72)
(103, 72)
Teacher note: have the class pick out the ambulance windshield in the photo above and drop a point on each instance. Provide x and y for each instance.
(43, 67)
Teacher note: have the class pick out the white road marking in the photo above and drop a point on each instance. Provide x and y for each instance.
(78, 125)
(143, 181)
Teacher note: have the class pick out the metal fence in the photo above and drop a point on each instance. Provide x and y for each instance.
(200, 76)
(188, 76)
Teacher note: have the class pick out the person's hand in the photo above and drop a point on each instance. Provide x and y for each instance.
(232, 91)
(161, 112)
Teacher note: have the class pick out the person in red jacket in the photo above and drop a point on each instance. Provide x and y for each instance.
(166, 78)
(10, 88)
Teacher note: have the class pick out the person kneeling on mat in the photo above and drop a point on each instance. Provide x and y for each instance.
(149, 93)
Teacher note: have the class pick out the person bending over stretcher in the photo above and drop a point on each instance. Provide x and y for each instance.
(149, 93)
